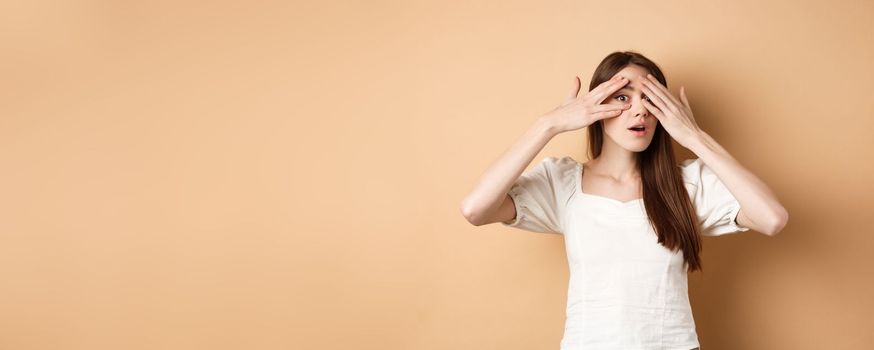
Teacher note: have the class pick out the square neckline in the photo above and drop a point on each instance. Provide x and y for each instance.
(579, 189)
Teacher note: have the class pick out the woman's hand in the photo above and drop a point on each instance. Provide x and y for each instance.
(579, 112)
(675, 117)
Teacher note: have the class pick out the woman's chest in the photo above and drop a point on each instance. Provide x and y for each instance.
(603, 230)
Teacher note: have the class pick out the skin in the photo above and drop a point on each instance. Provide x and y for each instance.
(760, 208)
(489, 202)
(613, 174)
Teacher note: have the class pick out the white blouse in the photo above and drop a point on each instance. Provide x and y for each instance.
(626, 291)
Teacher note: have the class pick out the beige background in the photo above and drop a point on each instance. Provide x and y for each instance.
(281, 175)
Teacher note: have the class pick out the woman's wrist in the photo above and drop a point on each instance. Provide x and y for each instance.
(703, 145)
(699, 142)
(545, 125)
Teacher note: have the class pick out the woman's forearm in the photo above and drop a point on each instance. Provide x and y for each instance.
(758, 203)
(494, 183)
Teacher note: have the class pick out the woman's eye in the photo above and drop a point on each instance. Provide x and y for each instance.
(624, 98)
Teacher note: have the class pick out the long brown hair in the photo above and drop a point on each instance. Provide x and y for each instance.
(665, 197)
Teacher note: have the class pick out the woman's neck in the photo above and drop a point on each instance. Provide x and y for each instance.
(616, 162)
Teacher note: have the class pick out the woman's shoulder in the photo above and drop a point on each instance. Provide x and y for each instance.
(562, 171)
(692, 169)
(561, 162)
(696, 173)
(563, 166)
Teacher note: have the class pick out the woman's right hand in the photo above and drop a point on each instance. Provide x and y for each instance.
(579, 112)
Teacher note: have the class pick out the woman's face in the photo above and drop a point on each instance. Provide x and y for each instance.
(617, 128)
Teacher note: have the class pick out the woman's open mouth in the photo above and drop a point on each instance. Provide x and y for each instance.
(638, 130)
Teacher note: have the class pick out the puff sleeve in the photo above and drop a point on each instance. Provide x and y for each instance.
(715, 206)
(541, 195)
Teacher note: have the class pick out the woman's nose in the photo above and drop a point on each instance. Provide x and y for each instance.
(640, 110)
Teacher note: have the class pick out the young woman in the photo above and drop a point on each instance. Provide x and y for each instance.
(631, 216)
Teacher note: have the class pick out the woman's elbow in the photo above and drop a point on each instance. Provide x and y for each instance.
(470, 213)
(779, 220)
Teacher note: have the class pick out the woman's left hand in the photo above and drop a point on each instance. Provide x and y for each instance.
(675, 117)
